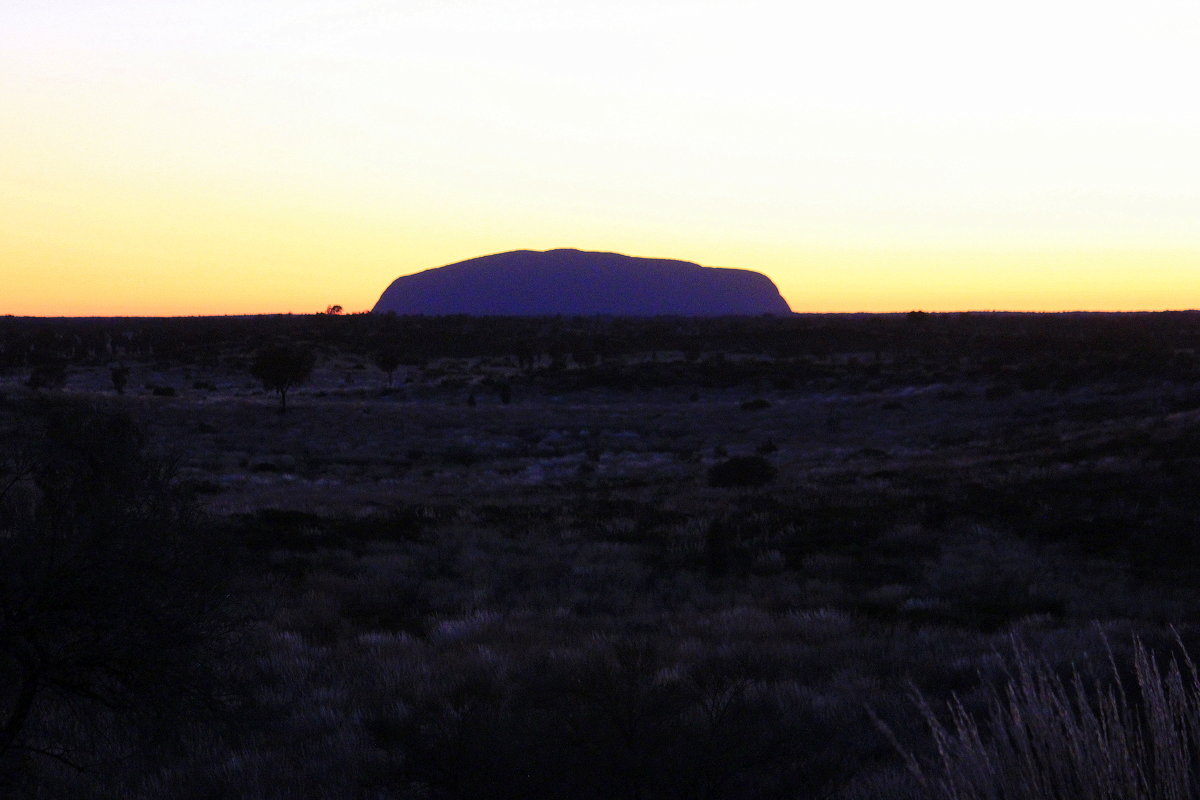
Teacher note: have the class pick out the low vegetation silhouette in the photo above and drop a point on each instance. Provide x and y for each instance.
(120, 378)
(48, 375)
(743, 471)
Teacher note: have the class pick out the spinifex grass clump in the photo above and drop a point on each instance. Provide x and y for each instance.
(1046, 737)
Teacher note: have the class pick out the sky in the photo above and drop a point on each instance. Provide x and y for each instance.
(264, 156)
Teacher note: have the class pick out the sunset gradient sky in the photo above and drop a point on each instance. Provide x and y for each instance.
(255, 156)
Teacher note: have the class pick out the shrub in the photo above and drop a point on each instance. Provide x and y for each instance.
(51, 375)
(741, 471)
(120, 377)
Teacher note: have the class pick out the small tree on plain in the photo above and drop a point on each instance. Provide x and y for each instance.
(281, 367)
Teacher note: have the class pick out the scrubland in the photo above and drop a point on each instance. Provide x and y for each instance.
(509, 570)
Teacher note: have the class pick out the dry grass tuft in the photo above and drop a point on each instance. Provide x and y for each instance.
(1046, 736)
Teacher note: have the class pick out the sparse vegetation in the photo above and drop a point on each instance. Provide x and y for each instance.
(551, 597)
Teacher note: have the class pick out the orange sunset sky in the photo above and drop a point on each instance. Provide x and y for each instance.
(219, 157)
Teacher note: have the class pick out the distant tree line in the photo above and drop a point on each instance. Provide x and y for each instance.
(1044, 346)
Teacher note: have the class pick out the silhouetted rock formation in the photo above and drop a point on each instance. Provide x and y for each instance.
(530, 283)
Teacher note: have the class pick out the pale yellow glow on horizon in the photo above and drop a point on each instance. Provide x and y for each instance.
(226, 158)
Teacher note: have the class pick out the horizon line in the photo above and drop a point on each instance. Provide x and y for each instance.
(369, 312)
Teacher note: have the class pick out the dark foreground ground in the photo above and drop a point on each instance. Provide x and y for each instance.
(572, 558)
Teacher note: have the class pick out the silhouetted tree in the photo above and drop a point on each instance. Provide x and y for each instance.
(281, 367)
(388, 359)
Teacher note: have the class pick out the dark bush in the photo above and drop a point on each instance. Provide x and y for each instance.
(51, 375)
(120, 377)
(743, 471)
